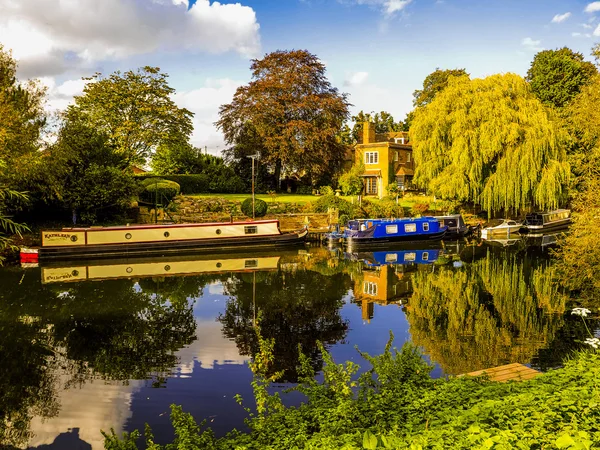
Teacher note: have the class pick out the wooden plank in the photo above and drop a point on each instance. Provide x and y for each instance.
(508, 372)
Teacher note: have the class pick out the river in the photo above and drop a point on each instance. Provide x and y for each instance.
(111, 344)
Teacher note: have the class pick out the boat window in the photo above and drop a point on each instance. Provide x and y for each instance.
(410, 228)
(511, 222)
(410, 256)
(425, 256)
(250, 263)
(391, 229)
(425, 226)
(391, 257)
(218, 231)
(371, 157)
(253, 229)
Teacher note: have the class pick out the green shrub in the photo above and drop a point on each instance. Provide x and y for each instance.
(304, 190)
(326, 190)
(351, 182)
(162, 192)
(323, 204)
(260, 207)
(343, 220)
(420, 208)
(226, 182)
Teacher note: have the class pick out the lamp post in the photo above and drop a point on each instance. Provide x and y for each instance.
(253, 157)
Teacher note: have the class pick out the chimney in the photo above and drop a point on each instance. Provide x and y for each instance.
(368, 132)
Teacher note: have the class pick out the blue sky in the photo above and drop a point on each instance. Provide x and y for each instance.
(378, 51)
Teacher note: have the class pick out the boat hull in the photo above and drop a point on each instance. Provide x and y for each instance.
(552, 226)
(357, 241)
(135, 249)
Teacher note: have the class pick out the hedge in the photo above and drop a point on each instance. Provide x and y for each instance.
(200, 183)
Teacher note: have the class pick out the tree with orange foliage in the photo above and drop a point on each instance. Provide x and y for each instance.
(294, 112)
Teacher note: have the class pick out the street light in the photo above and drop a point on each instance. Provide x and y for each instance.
(253, 157)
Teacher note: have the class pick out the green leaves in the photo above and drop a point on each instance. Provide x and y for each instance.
(369, 441)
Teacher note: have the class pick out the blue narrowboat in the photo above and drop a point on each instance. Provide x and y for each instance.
(400, 257)
(388, 231)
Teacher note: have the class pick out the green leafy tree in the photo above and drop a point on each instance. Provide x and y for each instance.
(91, 176)
(293, 113)
(135, 110)
(433, 84)
(351, 182)
(22, 115)
(490, 141)
(557, 76)
(8, 227)
(384, 123)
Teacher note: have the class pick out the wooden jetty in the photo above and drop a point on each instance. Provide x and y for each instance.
(508, 372)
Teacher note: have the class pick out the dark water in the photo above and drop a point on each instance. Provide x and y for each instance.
(92, 346)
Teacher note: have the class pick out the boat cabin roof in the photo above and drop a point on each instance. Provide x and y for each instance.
(178, 225)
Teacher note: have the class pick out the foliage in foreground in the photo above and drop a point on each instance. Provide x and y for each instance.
(398, 405)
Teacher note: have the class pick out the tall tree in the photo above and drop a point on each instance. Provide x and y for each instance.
(434, 83)
(556, 76)
(21, 112)
(384, 123)
(490, 141)
(135, 110)
(293, 111)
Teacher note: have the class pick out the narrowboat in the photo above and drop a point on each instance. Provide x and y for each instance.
(159, 240)
(456, 226)
(546, 221)
(388, 231)
(507, 227)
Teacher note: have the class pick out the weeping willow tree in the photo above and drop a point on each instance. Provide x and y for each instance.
(492, 312)
(491, 142)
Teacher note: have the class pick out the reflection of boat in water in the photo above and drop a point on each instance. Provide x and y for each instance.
(424, 253)
(543, 239)
(141, 268)
(545, 221)
(506, 228)
(158, 240)
(502, 242)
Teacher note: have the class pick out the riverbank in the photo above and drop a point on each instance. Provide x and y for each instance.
(402, 407)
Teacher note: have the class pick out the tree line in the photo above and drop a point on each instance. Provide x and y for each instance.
(505, 142)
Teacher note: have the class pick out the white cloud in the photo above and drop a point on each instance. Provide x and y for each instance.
(587, 26)
(597, 30)
(356, 79)
(561, 17)
(388, 7)
(592, 7)
(50, 36)
(576, 34)
(204, 102)
(532, 44)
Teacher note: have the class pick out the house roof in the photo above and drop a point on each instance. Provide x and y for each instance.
(404, 171)
(372, 173)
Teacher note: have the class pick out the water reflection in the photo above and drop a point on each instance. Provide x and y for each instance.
(86, 346)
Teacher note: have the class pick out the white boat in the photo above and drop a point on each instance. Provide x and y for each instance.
(507, 227)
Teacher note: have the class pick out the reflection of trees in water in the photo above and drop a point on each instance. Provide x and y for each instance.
(495, 311)
(110, 330)
(298, 307)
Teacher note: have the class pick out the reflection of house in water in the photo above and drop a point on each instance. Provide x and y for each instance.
(383, 285)
(386, 276)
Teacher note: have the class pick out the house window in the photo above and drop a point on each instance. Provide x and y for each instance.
(371, 185)
(410, 228)
(371, 157)
(425, 226)
(251, 230)
(395, 156)
(370, 288)
(391, 229)
(408, 157)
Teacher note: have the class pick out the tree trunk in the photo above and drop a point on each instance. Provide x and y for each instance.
(278, 175)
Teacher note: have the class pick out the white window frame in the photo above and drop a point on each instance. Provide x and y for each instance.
(425, 256)
(410, 227)
(372, 186)
(391, 229)
(370, 288)
(371, 157)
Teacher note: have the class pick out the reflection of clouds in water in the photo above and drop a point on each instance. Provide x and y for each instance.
(209, 348)
(93, 407)
(216, 288)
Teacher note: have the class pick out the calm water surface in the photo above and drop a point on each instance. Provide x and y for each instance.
(91, 346)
